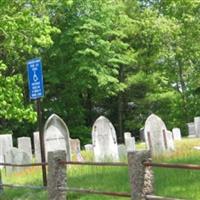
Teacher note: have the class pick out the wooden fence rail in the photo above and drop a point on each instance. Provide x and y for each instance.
(139, 168)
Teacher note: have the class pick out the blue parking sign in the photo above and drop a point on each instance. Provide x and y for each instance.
(35, 79)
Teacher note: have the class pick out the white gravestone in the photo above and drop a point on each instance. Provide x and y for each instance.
(191, 129)
(88, 147)
(170, 141)
(6, 143)
(127, 135)
(24, 143)
(154, 137)
(176, 133)
(129, 142)
(76, 149)
(197, 126)
(56, 136)
(122, 151)
(16, 156)
(37, 151)
(104, 140)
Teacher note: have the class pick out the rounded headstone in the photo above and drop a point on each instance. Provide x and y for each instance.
(154, 127)
(104, 140)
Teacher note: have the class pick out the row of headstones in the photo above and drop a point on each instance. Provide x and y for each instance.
(104, 141)
(56, 137)
(194, 128)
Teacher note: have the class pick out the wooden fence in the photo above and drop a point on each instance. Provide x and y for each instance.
(139, 167)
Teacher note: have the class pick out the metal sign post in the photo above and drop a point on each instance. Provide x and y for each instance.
(36, 91)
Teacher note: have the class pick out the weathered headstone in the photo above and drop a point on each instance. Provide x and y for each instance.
(197, 126)
(191, 129)
(170, 141)
(6, 143)
(176, 133)
(16, 156)
(24, 143)
(104, 140)
(88, 147)
(122, 151)
(129, 142)
(37, 151)
(56, 136)
(127, 135)
(154, 137)
(76, 149)
(142, 138)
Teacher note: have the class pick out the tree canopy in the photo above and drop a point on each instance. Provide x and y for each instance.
(123, 59)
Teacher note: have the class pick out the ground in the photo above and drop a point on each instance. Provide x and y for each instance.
(168, 182)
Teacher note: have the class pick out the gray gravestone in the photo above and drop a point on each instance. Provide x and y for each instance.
(24, 143)
(142, 138)
(56, 136)
(6, 143)
(122, 151)
(170, 141)
(16, 156)
(191, 129)
(37, 151)
(104, 140)
(176, 133)
(197, 126)
(129, 142)
(76, 149)
(154, 127)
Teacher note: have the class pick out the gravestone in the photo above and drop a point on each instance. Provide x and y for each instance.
(104, 140)
(170, 141)
(37, 151)
(191, 129)
(129, 142)
(197, 126)
(127, 135)
(142, 138)
(6, 143)
(76, 149)
(154, 137)
(122, 151)
(88, 147)
(176, 133)
(56, 136)
(16, 156)
(24, 143)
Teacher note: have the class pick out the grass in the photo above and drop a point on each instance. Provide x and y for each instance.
(168, 182)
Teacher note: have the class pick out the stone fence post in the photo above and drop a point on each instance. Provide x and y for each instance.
(141, 177)
(56, 175)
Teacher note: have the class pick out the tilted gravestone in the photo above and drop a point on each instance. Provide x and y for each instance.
(16, 156)
(37, 150)
(56, 136)
(76, 149)
(197, 126)
(176, 133)
(104, 140)
(24, 143)
(6, 143)
(154, 137)
(191, 129)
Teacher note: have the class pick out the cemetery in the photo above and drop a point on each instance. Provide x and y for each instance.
(99, 100)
